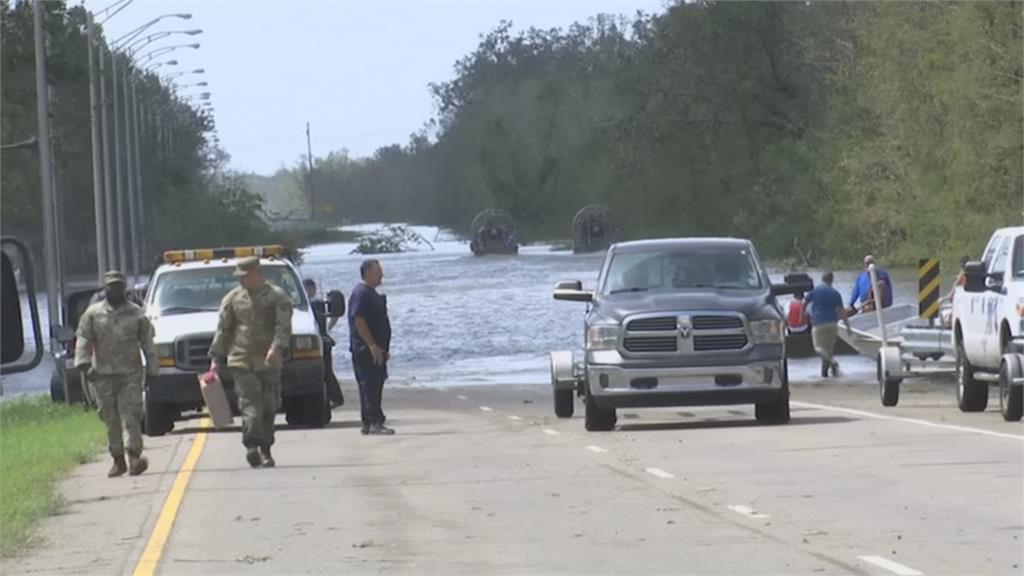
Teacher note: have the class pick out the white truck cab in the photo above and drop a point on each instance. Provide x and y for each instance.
(183, 301)
(988, 315)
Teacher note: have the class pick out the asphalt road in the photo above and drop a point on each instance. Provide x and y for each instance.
(486, 480)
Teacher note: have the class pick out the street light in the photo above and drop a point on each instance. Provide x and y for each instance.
(134, 33)
(182, 73)
(156, 65)
(165, 50)
(193, 85)
(147, 40)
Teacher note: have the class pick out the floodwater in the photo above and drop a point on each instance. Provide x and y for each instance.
(460, 319)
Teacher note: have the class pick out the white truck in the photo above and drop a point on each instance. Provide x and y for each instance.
(182, 302)
(988, 326)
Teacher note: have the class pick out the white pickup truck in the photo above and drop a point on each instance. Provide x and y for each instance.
(988, 334)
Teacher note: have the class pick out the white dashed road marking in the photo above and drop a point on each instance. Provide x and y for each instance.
(660, 473)
(487, 409)
(748, 512)
(461, 397)
(891, 566)
(597, 449)
(551, 432)
(909, 420)
(513, 417)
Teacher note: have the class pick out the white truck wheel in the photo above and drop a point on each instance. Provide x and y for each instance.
(1011, 395)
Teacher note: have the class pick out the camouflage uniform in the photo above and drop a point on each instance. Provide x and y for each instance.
(250, 323)
(109, 340)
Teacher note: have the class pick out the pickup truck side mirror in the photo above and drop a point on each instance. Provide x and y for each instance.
(794, 284)
(335, 304)
(572, 291)
(975, 277)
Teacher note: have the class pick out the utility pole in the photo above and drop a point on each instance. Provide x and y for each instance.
(129, 168)
(312, 195)
(122, 257)
(97, 167)
(139, 232)
(108, 188)
(45, 172)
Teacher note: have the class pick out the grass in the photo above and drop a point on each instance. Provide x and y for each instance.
(40, 442)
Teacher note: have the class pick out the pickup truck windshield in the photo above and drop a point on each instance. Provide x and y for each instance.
(680, 269)
(202, 289)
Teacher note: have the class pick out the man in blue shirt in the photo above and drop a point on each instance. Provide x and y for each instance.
(370, 342)
(826, 305)
(862, 293)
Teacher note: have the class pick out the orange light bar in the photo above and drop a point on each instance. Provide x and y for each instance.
(272, 250)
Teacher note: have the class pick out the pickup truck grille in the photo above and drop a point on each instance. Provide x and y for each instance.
(684, 333)
(711, 342)
(662, 324)
(191, 354)
(717, 323)
(651, 343)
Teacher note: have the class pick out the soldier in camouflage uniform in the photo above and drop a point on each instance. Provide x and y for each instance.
(253, 333)
(110, 334)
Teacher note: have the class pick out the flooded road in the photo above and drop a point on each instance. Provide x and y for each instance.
(460, 319)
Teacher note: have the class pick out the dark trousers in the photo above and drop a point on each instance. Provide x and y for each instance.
(371, 379)
(333, 387)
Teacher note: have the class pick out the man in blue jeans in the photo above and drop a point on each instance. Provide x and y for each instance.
(826, 304)
(370, 342)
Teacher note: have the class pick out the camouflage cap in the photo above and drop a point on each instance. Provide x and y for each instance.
(113, 277)
(246, 265)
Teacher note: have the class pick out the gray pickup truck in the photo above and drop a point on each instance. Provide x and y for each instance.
(678, 322)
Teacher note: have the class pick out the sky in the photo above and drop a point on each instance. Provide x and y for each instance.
(358, 72)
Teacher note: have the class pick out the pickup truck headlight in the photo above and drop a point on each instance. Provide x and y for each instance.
(306, 347)
(165, 355)
(603, 337)
(766, 331)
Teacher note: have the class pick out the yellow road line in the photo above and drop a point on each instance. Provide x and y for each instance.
(150, 559)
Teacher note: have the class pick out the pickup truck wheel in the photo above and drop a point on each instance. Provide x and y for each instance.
(598, 419)
(308, 410)
(564, 406)
(56, 389)
(971, 394)
(158, 418)
(776, 412)
(1011, 398)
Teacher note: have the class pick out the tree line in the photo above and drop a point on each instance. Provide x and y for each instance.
(821, 130)
(190, 197)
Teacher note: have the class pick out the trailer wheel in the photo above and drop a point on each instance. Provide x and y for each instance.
(888, 387)
(971, 394)
(1011, 398)
(564, 406)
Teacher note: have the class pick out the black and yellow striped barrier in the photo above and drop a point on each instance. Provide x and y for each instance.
(928, 288)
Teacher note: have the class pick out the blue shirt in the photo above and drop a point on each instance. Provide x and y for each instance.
(366, 303)
(824, 302)
(862, 288)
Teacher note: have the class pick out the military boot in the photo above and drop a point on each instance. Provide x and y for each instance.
(252, 456)
(119, 467)
(268, 460)
(137, 463)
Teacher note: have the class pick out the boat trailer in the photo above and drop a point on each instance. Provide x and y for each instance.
(903, 342)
